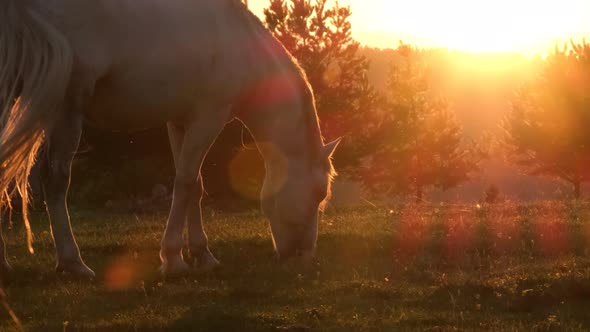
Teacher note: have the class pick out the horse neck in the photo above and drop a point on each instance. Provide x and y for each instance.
(284, 131)
(277, 103)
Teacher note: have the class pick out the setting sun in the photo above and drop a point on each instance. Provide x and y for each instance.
(497, 26)
(525, 26)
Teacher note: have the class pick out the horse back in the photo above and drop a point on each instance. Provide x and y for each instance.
(151, 61)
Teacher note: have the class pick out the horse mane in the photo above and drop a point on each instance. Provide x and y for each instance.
(310, 119)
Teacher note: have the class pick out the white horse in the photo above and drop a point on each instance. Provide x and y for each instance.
(191, 64)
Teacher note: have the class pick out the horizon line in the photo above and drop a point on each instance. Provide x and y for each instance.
(391, 39)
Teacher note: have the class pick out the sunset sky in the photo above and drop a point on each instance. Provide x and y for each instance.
(525, 26)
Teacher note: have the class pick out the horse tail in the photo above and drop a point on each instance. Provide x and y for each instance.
(35, 71)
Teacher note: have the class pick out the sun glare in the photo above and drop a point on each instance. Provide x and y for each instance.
(492, 26)
(524, 26)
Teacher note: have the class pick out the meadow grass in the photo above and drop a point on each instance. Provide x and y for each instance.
(508, 267)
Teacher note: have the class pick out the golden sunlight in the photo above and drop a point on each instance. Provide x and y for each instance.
(524, 26)
(499, 26)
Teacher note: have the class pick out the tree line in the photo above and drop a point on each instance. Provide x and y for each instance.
(401, 141)
(407, 140)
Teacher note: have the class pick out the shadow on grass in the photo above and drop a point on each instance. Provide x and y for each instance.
(249, 292)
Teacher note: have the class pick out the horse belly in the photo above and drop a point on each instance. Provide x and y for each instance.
(138, 106)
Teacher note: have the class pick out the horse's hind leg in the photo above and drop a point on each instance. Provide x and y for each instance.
(197, 239)
(56, 166)
(190, 143)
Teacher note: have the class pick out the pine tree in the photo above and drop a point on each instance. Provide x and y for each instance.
(320, 39)
(546, 132)
(420, 139)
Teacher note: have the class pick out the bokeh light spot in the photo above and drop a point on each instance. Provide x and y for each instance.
(247, 171)
(122, 273)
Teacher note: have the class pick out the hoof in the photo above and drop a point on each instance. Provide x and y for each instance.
(174, 267)
(206, 262)
(76, 269)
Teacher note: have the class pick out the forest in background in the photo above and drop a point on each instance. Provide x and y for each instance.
(369, 97)
(480, 87)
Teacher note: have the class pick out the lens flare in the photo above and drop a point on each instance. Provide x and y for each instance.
(411, 237)
(122, 273)
(504, 226)
(552, 231)
(247, 171)
(459, 234)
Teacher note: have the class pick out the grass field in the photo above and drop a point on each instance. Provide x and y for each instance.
(437, 268)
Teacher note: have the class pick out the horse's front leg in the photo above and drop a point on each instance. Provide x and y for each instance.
(55, 173)
(190, 142)
(197, 239)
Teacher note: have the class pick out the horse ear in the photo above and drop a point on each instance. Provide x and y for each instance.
(331, 147)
